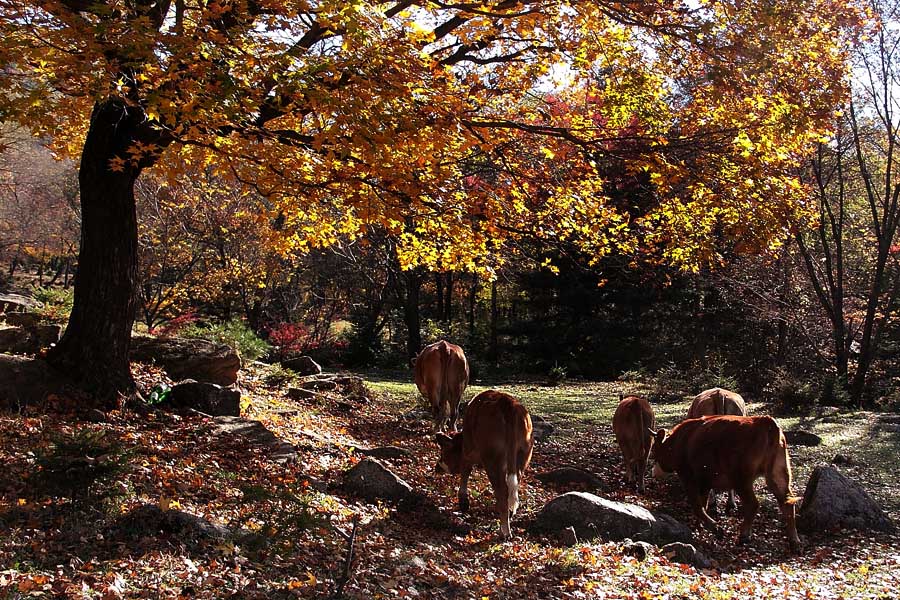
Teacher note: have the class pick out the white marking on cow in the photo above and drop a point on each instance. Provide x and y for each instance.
(512, 487)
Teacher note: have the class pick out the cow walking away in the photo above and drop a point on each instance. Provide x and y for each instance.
(496, 434)
(729, 452)
(718, 401)
(633, 423)
(442, 374)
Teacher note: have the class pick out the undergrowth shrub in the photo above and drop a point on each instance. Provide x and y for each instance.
(82, 465)
(56, 303)
(234, 333)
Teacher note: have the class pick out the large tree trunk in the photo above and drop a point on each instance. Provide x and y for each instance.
(94, 349)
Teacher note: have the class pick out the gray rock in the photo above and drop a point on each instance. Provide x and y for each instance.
(833, 501)
(27, 320)
(17, 303)
(373, 481)
(541, 428)
(29, 381)
(570, 476)
(593, 516)
(685, 554)
(28, 340)
(348, 380)
(208, 398)
(302, 365)
(639, 550)
(569, 537)
(841, 459)
(666, 529)
(149, 520)
(386, 452)
(295, 393)
(188, 358)
(319, 385)
(254, 433)
(801, 437)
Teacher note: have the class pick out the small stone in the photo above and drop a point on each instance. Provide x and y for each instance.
(303, 365)
(801, 437)
(320, 385)
(841, 459)
(569, 538)
(639, 550)
(95, 416)
(295, 393)
(685, 554)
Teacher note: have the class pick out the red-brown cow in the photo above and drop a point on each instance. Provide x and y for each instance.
(442, 374)
(496, 434)
(633, 423)
(729, 452)
(711, 402)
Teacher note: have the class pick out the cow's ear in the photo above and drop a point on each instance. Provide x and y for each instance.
(412, 362)
(443, 440)
(660, 436)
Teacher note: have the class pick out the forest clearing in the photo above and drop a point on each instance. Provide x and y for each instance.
(282, 539)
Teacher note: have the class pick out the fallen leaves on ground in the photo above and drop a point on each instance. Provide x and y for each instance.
(264, 531)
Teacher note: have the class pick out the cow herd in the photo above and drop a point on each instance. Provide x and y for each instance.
(716, 448)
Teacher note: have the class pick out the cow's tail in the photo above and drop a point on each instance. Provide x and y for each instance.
(719, 403)
(444, 389)
(517, 456)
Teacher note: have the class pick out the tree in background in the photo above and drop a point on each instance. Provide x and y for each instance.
(850, 256)
(344, 115)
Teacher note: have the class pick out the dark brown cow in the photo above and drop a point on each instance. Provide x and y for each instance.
(496, 434)
(442, 374)
(718, 401)
(729, 452)
(633, 422)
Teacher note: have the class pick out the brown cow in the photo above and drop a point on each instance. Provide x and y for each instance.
(442, 374)
(718, 401)
(633, 423)
(496, 434)
(729, 452)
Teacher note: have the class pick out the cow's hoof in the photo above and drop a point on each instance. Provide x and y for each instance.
(463, 505)
(730, 509)
(743, 539)
(796, 547)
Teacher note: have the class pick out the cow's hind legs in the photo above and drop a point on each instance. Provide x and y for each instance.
(501, 496)
(749, 506)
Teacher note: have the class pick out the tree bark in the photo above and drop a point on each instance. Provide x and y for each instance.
(94, 349)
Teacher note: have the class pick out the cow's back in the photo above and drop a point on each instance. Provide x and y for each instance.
(724, 449)
(631, 423)
(717, 401)
(497, 427)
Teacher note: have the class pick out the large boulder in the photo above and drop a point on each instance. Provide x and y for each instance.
(208, 398)
(801, 437)
(302, 365)
(17, 303)
(593, 516)
(28, 340)
(832, 501)
(564, 476)
(29, 381)
(254, 433)
(373, 481)
(22, 319)
(188, 358)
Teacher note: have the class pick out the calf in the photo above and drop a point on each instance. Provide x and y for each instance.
(496, 434)
(442, 374)
(718, 401)
(729, 452)
(633, 423)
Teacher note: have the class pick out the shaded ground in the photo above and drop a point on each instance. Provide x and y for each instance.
(282, 537)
